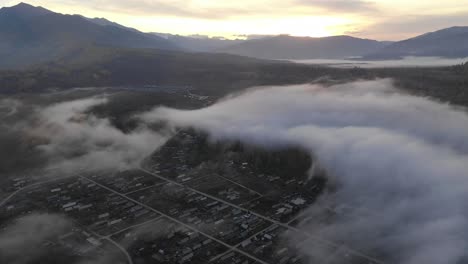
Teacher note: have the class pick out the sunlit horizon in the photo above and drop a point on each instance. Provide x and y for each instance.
(379, 20)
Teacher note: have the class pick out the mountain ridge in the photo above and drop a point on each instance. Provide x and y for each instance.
(289, 47)
(30, 35)
(449, 42)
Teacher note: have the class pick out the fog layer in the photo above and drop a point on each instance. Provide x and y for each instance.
(400, 161)
(396, 63)
(23, 241)
(68, 136)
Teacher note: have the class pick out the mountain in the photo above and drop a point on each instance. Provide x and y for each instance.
(104, 22)
(449, 42)
(207, 73)
(289, 47)
(199, 43)
(30, 35)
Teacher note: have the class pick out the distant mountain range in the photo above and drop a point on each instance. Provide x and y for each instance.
(450, 42)
(288, 47)
(30, 35)
(33, 35)
(200, 43)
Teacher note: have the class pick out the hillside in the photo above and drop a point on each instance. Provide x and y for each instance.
(450, 42)
(30, 35)
(288, 47)
(206, 72)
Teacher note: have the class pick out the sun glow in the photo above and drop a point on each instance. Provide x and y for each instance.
(311, 26)
(375, 19)
(295, 26)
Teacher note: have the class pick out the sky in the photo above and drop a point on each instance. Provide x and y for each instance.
(377, 19)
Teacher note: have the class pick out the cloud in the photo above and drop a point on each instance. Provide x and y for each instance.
(221, 10)
(17, 152)
(383, 19)
(21, 241)
(176, 8)
(74, 138)
(69, 137)
(340, 6)
(8, 107)
(399, 162)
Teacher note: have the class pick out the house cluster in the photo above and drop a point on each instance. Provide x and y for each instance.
(233, 257)
(219, 219)
(101, 211)
(164, 241)
(271, 245)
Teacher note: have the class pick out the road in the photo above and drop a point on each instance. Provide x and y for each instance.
(129, 258)
(133, 226)
(243, 186)
(4, 201)
(231, 248)
(357, 253)
(175, 220)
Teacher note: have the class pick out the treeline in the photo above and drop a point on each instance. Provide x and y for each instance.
(447, 84)
(287, 161)
(217, 74)
(210, 73)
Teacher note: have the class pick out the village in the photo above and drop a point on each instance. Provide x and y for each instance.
(180, 209)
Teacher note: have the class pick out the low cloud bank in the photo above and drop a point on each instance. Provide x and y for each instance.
(77, 139)
(8, 107)
(22, 241)
(400, 161)
(68, 136)
(397, 63)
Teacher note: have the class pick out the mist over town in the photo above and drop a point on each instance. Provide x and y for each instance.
(290, 132)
